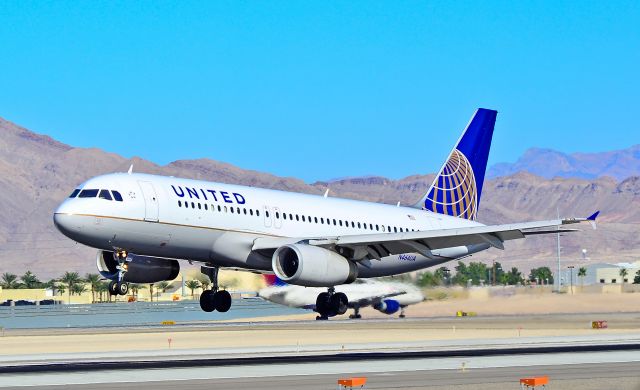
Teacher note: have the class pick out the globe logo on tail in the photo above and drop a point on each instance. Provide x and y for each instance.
(454, 191)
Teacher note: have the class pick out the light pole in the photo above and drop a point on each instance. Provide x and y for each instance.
(571, 267)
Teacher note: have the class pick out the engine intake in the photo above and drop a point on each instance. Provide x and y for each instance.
(140, 269)
(312, 266)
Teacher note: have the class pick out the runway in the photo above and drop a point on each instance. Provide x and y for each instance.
(441, 353)
(617, 370)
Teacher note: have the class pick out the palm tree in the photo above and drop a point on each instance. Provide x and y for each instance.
(94, 281)
(70, 279)
(582, 272)
(623, 274)
(30, 280)
(192, 285)
(101, 288)
(79, 288)
(9, 281)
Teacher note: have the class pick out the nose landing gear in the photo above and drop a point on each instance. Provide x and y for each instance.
(119, 286)
(330, 304)
(214, 299)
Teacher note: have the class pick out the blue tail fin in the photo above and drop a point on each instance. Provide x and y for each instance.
(457, 188)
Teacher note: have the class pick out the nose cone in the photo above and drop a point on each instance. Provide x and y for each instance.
(65, 224)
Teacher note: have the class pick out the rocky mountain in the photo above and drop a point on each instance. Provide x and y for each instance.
(549, 163)
(37, 173)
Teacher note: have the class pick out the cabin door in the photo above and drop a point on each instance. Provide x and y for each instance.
(150, 201)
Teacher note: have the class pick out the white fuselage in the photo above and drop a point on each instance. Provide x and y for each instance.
(218, 223)
(370, 291)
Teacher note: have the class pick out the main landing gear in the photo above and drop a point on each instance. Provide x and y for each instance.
(356, 313)
(119, 286)
(331, 303)
(214, 299)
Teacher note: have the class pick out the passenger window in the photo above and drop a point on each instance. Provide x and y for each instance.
(244, 211)
(353, 225)
(213, 207)
(199, 206)
(206, 206)
(322, 220)
(220, 209)
(290, 217)
(74, 193)
(231, 209)
(88, 193)
(359, 225)
(266, 213)
(104, 194)
(257, 213)
(193, 205)
(116, 196)
(251, 211)
(377, 228)
(225, 209)
(238, 210)
(315, 219)
(395, 229)
(179, 203)
(284, 215)
(297, 217)
(364, 225)
(303, 220)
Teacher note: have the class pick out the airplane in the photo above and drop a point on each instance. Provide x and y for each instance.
(143, 225)
(385, 296)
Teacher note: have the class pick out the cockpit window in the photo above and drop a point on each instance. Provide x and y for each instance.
(117, 196)
(104, 194)
(74, 193)
(88, 193)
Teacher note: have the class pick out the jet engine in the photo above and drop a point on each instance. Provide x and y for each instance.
(312, 266)
(387, 306)
(140, 269)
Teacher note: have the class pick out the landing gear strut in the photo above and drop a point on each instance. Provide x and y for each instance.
(331, 303)
(214, 299)
(119, 286)
(356, 313)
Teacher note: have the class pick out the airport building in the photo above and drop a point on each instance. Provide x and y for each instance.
(601, 273)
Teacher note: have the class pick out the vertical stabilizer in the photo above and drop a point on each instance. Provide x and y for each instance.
(457, 188)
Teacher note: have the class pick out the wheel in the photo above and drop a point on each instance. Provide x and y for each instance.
(401, 315)
(323, 303)
(339, 303)
(113, 288)
(222, 301)
(206, 301)
(122, 288)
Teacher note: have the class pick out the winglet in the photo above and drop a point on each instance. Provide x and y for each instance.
(130, 169)
(592, 219)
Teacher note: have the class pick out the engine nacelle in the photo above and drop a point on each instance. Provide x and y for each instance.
(140, 269)
(311, 266)
(387, 306)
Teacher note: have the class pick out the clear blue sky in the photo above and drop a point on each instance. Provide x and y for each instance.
(320, 90)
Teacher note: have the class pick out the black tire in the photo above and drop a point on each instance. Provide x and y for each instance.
(222, 301)
(123, 288)
(113, 288)
(339, 303)
(323, 304)
(206, 301)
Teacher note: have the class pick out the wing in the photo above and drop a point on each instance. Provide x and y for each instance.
(376, 246)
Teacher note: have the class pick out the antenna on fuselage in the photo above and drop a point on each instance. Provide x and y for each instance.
(130, 169)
